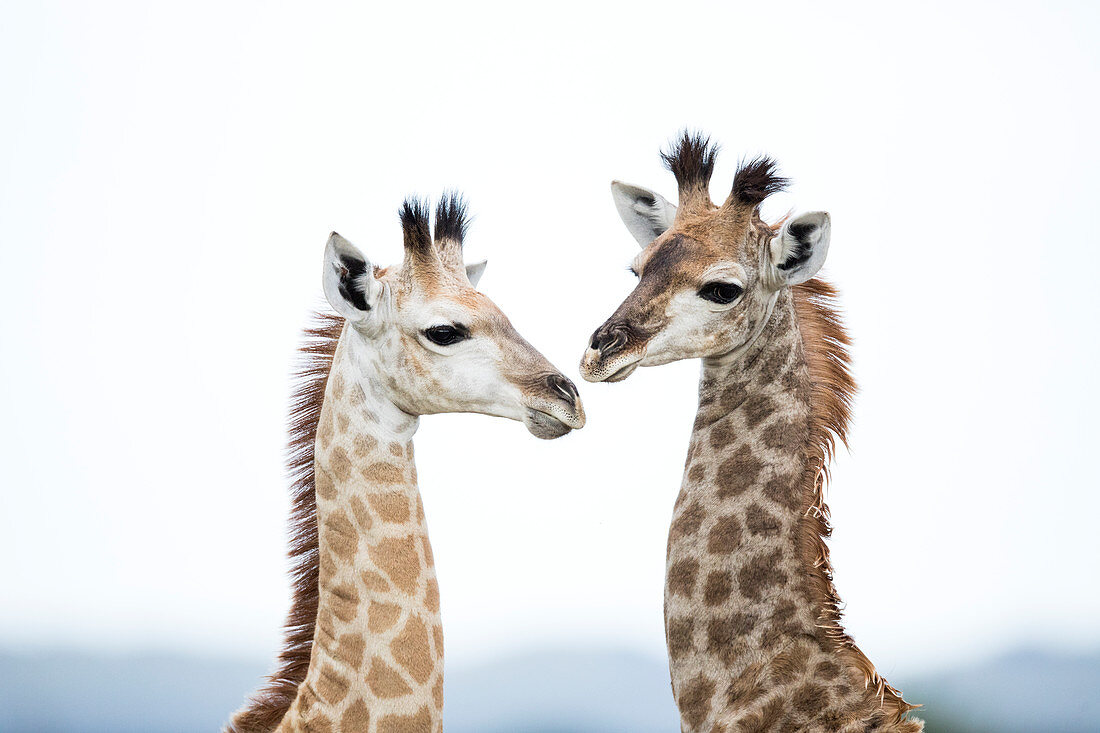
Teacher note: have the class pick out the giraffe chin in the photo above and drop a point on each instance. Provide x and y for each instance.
(544, 426)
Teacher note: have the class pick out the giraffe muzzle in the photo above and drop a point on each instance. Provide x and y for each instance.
(613, 353)
(555, 409)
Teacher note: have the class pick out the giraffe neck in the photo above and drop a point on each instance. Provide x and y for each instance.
(741, 615)
(377, 655)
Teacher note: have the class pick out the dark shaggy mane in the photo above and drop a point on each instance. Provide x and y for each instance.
(756, 179)
(414, 224)
(268, 705)
(691, 159)
(451, 217)
(825, 343)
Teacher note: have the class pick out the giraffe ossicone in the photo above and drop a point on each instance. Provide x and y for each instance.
(364, 638)
(752, 619)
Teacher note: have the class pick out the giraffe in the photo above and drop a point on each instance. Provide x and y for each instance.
(364, 642)
(752, 618)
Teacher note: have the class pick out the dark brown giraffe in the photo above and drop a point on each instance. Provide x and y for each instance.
(751, 614)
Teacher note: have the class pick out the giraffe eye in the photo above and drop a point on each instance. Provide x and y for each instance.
(446, 335)
(719, 292)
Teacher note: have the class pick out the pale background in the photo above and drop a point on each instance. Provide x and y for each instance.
(169, 174)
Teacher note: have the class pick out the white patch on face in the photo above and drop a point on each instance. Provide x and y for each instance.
(697, 327)
(466, 376)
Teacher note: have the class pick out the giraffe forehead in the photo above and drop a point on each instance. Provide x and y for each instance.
(446, 295)
(683, 254)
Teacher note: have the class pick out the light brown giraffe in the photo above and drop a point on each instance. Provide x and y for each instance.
(364, 642)
(752, 618)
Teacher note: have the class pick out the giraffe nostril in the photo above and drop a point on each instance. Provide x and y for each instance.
(563, 387)
(610, 340)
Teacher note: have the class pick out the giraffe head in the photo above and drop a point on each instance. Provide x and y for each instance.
(707, 275)
(432, 342)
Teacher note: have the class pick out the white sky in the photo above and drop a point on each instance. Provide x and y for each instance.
(168, 176)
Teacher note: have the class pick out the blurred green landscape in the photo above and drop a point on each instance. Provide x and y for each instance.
(606, 691)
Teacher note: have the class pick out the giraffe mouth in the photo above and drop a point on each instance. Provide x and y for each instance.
(616, 369)
(623, 373)
(544, 425)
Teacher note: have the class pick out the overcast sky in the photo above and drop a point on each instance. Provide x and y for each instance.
(168, 177)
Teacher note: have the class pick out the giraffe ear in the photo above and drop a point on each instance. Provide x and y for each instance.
(475, 270)
(798, 251)
(349, 282)
(647, 214)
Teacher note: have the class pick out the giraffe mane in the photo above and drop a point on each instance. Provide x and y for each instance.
(825, 343)
(268, 705)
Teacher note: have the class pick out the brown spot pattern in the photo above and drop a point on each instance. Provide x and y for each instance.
(331, 686)
(760, 522)
(721, 435)
(785, 436)
(363, 445)
(374, 581)
(398, 559)
(340, 464)
(383, 473)
(391, 506)
(809, 698)
(759, 574)
(362, 514)
(789, 664)
(827, 670)
(325, 431)
(679, 636)
(431, 596)
(340, 535)
(349, 650)
(725, 535)
(344, 601)
(746, 688)
(437, 636)
(356, 718)
(764, 719)
(410, 650)
(695, 700)
(681, 577)
(421, 722)
(426, 546)
(686, 522)
(384, 681)
(382, 616)
(725, 636)
(718, 588)
(326, 489)
(318, 723)
(738, 473)
(437, 693)
(756, 408)
(784, 490)
(733, 396)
